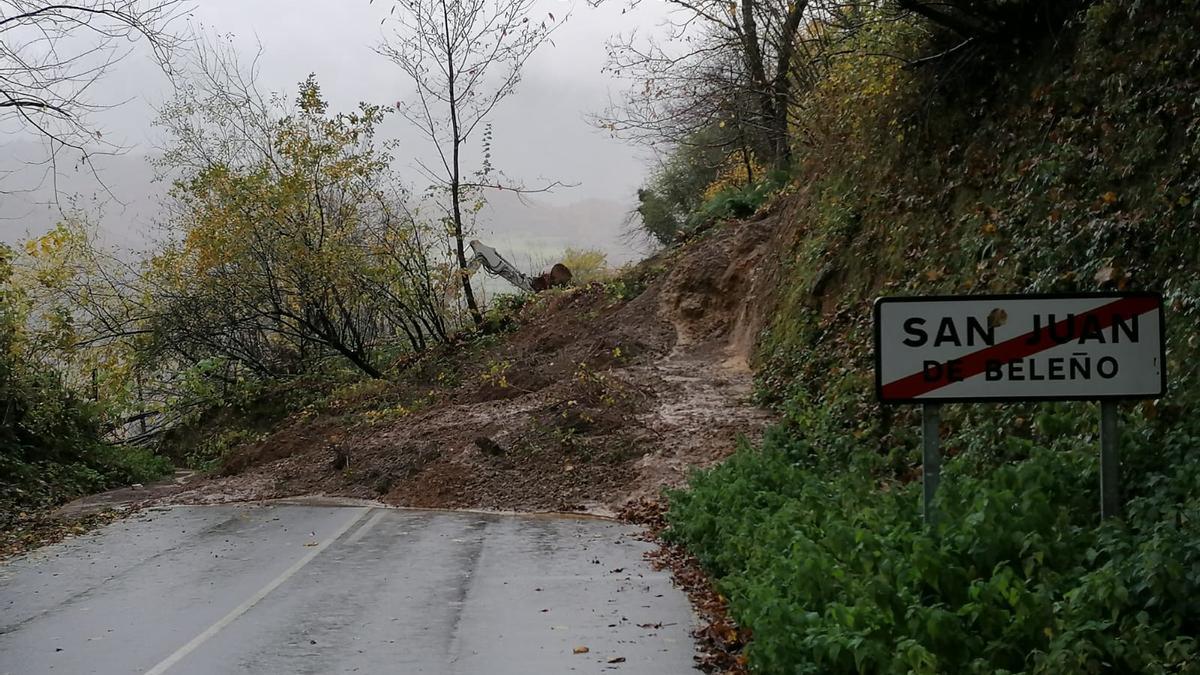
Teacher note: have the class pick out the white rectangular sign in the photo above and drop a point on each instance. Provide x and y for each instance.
(1019, 347)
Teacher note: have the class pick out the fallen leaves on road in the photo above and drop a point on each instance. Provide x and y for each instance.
(580, 650)
(721, 641)
(34, 530)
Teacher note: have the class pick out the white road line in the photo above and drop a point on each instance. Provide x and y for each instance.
(253, 600)
(358, 534)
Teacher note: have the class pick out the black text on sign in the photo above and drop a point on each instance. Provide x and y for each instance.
(1031, 347)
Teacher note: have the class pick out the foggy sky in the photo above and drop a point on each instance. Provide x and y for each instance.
(541, 132)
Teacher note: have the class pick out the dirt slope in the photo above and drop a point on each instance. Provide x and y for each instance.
(591, 403)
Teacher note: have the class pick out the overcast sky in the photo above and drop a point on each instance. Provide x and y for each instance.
(540, 132)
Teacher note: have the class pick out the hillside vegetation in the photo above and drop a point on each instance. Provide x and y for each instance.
(1069, 164)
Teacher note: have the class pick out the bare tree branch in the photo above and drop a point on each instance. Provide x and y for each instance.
(52, 56)
(463, 57)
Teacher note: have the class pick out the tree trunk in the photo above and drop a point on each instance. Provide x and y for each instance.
(781, 148)
(455, 178)
(763, 90)
(782, 85)
(460, 250)
(358, 360)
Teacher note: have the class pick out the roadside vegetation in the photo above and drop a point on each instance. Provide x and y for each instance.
(53, 449)
(291, 268)
(1067, 161)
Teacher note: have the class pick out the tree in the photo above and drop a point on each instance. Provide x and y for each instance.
(464, 57)
(995, 21)
(84, 311)
(287, 245)
(54, 54)
(735, 65)
(287, 241)
(292, 238)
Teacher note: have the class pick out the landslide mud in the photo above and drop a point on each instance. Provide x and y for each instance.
(591, 404)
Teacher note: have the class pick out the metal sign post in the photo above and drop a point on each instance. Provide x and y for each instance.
(931, 456)
(992, 348)
(1110, 496)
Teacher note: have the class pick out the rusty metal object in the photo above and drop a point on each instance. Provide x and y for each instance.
(558, 276)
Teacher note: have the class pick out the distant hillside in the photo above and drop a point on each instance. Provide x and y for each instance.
(32, 196)
(533, 228)
(531, 231)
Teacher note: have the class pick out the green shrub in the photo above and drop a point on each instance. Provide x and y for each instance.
(677, 188)
(736, 202)
(834, 571)
(211, 451)
(631, 281)
(660, 217)
(121, 465)
(502, 312)
(37, 484)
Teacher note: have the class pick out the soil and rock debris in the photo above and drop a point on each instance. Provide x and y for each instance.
(593, 403)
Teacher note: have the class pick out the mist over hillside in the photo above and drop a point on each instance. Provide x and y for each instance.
(124, 195)
(119, 189)
(539, 230)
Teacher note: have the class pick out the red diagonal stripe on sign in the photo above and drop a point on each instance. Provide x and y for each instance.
(1019, 347)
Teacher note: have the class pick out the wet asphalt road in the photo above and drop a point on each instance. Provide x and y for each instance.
(281, 589)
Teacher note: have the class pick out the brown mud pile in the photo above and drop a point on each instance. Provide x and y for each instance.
(591, 403)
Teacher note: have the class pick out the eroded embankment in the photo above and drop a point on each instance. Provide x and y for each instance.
(592, 402)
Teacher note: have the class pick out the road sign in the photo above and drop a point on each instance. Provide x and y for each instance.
(934, 350)
(1019, 348)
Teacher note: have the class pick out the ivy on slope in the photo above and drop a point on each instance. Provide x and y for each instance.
(1073, 168)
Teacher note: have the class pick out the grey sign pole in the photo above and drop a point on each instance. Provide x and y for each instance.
(931, 457)
(1110, 498)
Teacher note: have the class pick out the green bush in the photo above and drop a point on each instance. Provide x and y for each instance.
(51, 446)
(677, 188)
(834, 571)
(736, 202)
(209, 453)
(502, 312)
(41, 483)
